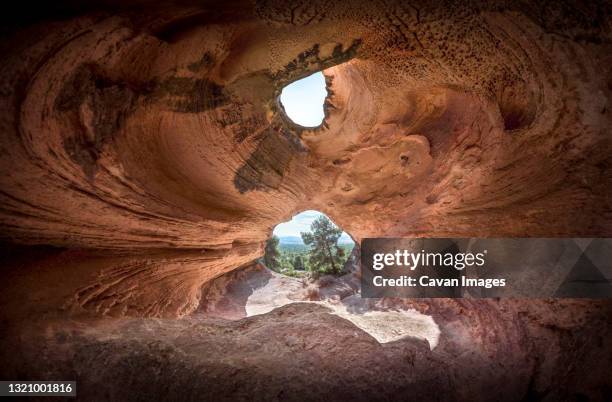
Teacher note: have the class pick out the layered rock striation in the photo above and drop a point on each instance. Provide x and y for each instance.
(144, 153)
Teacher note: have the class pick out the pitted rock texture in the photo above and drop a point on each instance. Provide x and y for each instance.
(490, 350)
(144, 153)
(160, 128)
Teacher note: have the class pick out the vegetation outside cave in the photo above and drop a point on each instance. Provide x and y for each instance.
(320, 250)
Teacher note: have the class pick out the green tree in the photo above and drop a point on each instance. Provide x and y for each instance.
(272, 254)
(298, 263)
(325, 254)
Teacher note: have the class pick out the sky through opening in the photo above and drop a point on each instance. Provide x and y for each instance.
(289, 232)
(303, 100)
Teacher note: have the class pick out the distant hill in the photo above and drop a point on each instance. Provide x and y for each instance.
(291, 240)
(297, 240)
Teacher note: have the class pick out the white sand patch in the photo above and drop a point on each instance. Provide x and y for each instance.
(384, 326)
(389, 326)
(277, 292)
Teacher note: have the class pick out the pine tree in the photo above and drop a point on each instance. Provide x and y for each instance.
(271, 256)
(298, 263)
(325, 254)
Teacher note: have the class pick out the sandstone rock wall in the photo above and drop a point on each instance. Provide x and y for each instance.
(144, 153)
(137, 130)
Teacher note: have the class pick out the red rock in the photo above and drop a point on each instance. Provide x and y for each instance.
(143, 153)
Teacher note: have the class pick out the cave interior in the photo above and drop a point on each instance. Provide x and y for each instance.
(146, 157)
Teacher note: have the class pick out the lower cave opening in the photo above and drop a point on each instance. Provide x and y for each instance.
(311, 263)
(308, 246)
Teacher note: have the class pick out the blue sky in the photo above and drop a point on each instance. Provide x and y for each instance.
(303, 100)
(301, 223)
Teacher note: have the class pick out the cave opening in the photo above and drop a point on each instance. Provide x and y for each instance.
(308, 246)
(303, 100)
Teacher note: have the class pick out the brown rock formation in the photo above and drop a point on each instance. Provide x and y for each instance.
(144, 152)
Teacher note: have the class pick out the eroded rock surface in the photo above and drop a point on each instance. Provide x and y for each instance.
(143, 154)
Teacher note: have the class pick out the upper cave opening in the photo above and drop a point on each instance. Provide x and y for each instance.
(303, 100)
(309, 244)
